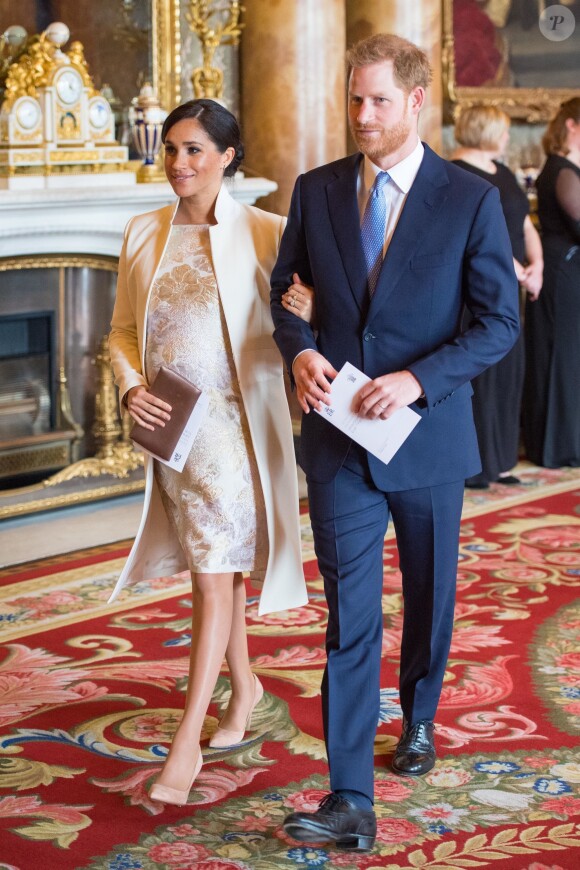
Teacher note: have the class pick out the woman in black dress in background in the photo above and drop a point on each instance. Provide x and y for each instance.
(482, 133)
(551, 418)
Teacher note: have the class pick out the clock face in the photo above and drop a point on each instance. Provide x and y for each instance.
(99, 113)
(69, 87)
(27, 112)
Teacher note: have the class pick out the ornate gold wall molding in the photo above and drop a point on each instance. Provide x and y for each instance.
(165, 16)
(57, 261)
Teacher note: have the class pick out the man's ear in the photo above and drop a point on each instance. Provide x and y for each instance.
(416, 99)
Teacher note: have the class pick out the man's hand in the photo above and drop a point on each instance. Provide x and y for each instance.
(147, 409)
(311, 371)
(385, 395)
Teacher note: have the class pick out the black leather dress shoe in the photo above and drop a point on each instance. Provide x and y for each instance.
(415, 752)
(336, 820)
(508, 480)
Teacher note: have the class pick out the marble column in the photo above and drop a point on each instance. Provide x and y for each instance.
(293, 104)
(419, 22)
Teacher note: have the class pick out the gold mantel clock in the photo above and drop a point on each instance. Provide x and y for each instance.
(55, 127)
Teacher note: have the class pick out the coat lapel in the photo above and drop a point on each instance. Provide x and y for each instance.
(232, 255)
(344, 216)
(151, 249)
(419, 215)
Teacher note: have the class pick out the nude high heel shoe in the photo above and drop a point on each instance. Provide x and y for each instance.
(222, 737)
(168, 795)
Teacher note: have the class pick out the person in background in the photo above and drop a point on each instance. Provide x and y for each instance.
(483, 134)
(193, 294)
(395, 242)
(551, 410)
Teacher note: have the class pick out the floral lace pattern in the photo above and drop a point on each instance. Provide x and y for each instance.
(216, 503)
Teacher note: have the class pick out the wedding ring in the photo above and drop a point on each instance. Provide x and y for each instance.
(293, 302)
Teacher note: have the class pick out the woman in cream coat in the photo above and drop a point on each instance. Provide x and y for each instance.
(230, 278)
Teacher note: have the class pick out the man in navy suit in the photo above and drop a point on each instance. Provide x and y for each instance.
(443, 246)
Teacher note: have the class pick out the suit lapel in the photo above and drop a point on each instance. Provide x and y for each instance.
(419, 214)
(344, 216)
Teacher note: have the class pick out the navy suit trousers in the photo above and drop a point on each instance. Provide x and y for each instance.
(349, 521)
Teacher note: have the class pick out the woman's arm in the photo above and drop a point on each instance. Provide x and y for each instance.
(534, 271)
(568, 196)
(143, 407)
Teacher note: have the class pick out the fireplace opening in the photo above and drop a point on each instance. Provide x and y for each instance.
(54, 312)
(27, 374)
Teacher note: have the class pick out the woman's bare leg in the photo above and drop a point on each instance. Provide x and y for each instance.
(213, 605)
(238, 659)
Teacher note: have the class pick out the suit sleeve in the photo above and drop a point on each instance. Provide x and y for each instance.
(490, 293)
(123, 338)
(291, 333)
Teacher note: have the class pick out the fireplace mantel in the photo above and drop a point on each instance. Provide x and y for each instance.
(90, 220)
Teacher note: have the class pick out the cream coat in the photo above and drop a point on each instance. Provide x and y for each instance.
(244, 244)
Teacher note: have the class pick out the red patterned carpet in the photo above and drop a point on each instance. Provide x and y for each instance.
(90, 695)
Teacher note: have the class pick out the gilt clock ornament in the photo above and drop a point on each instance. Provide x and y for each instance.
(56, 128)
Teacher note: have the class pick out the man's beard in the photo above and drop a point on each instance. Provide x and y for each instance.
(389, 141)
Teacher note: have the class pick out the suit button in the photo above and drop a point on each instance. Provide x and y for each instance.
(369, 336)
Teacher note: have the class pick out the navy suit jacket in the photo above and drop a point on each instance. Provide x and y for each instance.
(450, 249)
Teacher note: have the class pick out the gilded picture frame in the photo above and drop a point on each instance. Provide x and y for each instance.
(166, 47)
(532, 105)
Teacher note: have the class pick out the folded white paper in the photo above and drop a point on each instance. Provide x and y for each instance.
(382, 438)
(187, 437)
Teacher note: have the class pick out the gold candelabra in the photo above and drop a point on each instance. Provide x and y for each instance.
(115, 455)
(214, 23)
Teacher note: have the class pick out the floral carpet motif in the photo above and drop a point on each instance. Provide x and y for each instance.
(90, 696)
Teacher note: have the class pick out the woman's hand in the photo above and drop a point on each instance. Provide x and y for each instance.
(299, 299)
(147, 409)
(533, 279)
(534, 271)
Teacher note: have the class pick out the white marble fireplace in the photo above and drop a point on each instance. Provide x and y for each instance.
(58, 250)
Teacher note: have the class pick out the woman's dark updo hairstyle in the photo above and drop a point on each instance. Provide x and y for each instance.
(219, 124)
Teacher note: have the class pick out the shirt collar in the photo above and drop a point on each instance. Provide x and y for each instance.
(402, 173)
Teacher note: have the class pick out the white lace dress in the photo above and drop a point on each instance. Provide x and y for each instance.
(216, 502)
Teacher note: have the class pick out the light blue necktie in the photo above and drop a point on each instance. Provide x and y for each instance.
(373, 229)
